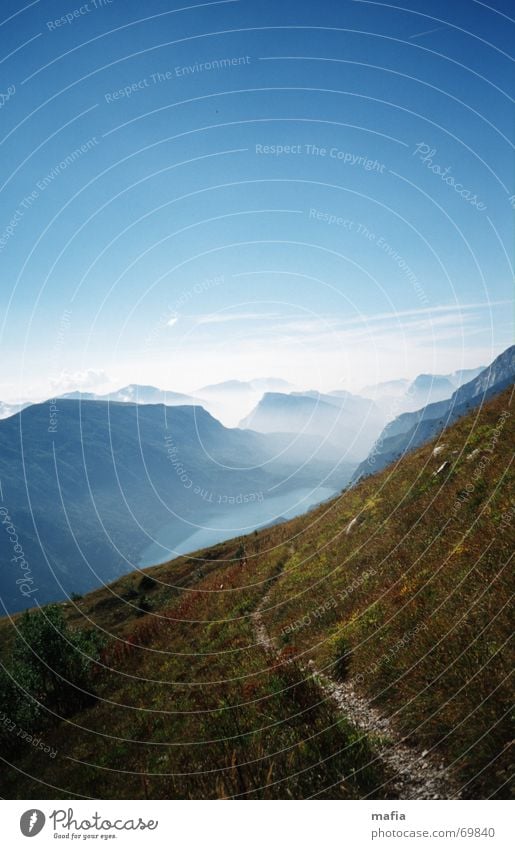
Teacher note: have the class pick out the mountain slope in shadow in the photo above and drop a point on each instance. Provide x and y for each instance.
(87, 485)
(410, 430)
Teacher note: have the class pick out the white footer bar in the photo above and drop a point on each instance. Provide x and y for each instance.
(258, 825)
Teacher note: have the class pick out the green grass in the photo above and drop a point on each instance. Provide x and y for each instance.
(415, 598)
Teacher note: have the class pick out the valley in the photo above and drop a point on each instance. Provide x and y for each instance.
(222, 524)
(318, 658)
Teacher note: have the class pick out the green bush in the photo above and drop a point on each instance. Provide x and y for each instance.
(147, 583)
(17, 711)
(54, 663)
(144, 605)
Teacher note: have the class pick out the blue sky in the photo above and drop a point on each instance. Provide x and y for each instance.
(192, 193)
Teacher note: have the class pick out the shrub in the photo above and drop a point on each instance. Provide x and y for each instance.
(18, 711)
(144, 605)
(147, 583)
(54, 663)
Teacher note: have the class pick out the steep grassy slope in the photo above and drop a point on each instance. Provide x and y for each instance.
(412, 601)
(190, 707)
(401, 584)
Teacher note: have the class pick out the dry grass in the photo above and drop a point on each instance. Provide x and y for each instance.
(416, 596)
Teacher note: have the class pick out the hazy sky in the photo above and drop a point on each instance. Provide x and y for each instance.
(313, 190)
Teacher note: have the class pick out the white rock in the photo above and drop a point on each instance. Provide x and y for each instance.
(351, 524)
(441, 468)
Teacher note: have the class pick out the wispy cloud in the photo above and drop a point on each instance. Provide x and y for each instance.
(429, 322)
(427, 32)
(222, 317)
(324, 350)
(300, 322)
(419, 311)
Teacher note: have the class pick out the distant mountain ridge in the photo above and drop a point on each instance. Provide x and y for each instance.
(345, 421)
(231, 400)
(136, 394)
(400, 396)
(226, 401)
(7, 409)
(409, 430)
(259, 384)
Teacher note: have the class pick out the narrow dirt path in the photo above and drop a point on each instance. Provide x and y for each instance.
(415, 773)
(262, 636)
